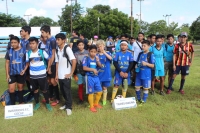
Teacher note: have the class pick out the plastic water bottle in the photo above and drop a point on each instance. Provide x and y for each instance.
(138, 67)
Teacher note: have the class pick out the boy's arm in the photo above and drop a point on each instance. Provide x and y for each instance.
(7, 70)
(129, 67)
(192, 54)
(56, 78)
(98, 62)
(23, 71)
(107, 55)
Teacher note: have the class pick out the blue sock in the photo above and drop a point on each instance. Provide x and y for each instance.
(138, 94)
(145, 96)
(171, 83)
(182, 84)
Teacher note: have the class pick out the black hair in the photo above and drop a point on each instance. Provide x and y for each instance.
(170, 35)
(152, 35)
(127, 36)
(132, 38)
(32, 39)
(141, 33)
(46, 28)
(158, 37)
(179, 35)
(61, 36)
(80, 41)
(27, 29)
(163, 36)
(92, 47)
(123, 35)
(146, 42)
(82, 35)
(11, 35)
(15, 38)
(76, 32)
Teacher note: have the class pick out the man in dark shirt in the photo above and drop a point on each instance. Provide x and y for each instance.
(73, 41)
(85, 41)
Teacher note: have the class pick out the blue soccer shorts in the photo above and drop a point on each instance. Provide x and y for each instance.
(81, 79)
(105, 83)
(93, 84)
(145, 83)
(118, 80)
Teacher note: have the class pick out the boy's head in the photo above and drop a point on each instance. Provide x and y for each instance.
(14, 42)
(82, 36)
(25, 30)
(80, 45)
(123, 37)
(145, 45)
(60, 39)
(43, 39)
(184, 36)
(163, 38)
(33, 42)
(170, 38)
(75, 33)
(100, 45)
(45, 30)
(132, 40)
(179, 38)
(152, 38)
(159, 40)
(124, 45)
(93, 51)
(140, 36)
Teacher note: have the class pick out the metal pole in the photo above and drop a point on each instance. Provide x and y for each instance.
(28, 17)
(131, 18)
(98, 26)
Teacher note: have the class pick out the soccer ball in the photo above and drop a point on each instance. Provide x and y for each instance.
(119, 96)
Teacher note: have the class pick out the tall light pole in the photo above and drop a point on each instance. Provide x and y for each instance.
(131, 18)
(165, 18)
(28, 17)
(71, 13)
(140, 12)
(167, 15)
(168, 18)
(98, 26)
(138, 19)
(7, 6)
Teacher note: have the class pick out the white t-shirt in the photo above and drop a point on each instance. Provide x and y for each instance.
(136, 50)
(62, 62)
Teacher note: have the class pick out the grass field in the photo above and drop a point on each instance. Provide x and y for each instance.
(174, 113)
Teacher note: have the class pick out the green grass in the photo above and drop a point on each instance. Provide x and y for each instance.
(172, 113)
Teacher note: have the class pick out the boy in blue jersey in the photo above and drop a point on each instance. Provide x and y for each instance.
(169, 48)
(105, 71)
(80, 54)
(51, 47)
(15, 69)
(145, 63)
(123, 62)
(93, 84)
(38, 79)
(158, 52)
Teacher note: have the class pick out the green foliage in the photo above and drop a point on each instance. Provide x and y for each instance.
(39, 21)
(11, 21)
(195, 29)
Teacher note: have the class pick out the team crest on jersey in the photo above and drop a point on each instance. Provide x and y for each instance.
(142, 56)
(127, 57)
(21, 55)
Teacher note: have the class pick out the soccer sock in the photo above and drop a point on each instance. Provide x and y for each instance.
(56, 90)
(145, 95)
(20, 95)
(91, 100)
(12, 98)
(171, 83)
(46, 96)
(105, 95)
(51, 91)
(182, 84)
(124, 92)
(98, 97)
(138, 92)
(36, 97)
(80, 92)
(114, 92)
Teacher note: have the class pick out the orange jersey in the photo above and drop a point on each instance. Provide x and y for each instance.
(182, 58)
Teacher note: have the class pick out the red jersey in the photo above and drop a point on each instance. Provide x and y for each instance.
(182, 58)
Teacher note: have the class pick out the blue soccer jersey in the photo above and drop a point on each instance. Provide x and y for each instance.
(88, 62)
(17, 60)
(105, 71)
(25, 44)
(151, 46)
(159, 55)
(169, 52)
(145, 71)
(51, 44)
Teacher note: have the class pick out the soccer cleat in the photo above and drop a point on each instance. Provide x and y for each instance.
(98, 106)
(55, 103)
(80, 102)
(168, 91)
(162, 93)
(63, 107)
(68, 111)
(152, 92)
(182, 92)
(49, 107)
(37, 106)
(104, 103)
(141, 102)
(93, 110)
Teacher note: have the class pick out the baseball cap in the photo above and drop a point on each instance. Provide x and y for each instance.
(109, 37)
(95, 37)
(184, 34)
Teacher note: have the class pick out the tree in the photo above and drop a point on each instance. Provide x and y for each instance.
(11, 21)
(157, 27)
(39, 21)
(195, 29)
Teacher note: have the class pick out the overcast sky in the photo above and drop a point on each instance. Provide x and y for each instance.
(182, 11)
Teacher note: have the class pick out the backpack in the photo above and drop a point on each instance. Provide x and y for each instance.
(148, 56)
(79, 67)
(41, 54)
(65, 55)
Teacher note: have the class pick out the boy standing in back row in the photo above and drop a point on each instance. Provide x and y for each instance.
(182, 60)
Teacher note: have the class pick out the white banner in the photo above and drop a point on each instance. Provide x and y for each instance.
(124, 103)
(18, 111)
